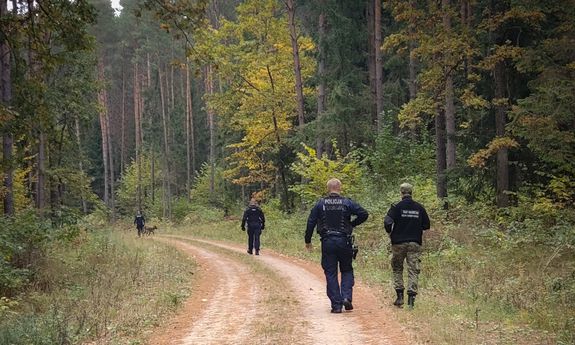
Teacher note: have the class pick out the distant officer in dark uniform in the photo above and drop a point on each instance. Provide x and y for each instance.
(332, 215)
(140, 221)
(405, 223)
(256, 221)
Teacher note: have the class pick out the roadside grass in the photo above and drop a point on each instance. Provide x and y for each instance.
(104, 287)
(475, 288)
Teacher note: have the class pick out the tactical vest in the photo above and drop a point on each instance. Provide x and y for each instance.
(335, 217)
(253, 215)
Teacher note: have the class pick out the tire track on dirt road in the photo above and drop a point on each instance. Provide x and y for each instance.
(220, 312)
(371, 323)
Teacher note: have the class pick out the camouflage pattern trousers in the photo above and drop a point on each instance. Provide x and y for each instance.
(410, 252)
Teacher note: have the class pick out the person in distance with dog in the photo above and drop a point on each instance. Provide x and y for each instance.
(140, 221)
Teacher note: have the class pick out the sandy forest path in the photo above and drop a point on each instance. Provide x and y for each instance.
(269, 299)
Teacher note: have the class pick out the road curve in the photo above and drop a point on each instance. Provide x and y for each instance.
(369, 323)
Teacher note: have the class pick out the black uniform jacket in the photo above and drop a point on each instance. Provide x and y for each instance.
(254, 218)
(406, 221)
(139, 221)
(350, 209)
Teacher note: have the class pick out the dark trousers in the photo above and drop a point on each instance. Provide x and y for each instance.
(337, 251)
(254, 239)
(140, 229)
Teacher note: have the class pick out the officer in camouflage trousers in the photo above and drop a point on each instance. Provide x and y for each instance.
(405, 223)
(332, 215)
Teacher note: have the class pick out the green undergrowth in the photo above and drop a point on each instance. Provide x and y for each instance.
(479, 284)
(103, 287)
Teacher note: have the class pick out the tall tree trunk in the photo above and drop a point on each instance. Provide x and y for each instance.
(104, 132)
(321, 86)
(148, 71)
(123, 124)
(190, 140)
(378, 64)
(167, 101)
(290, 4)
(112, 197)
(34, 67)
(80, 161)
(371, 59)
(412, 81)
(281, 168)
(137, 126)
(449, 105)
(153, 173)
(41, 173)
(172, 94)
(500, 122)
(6, 99)
(7, 148)
(188, 160)
(466, 14)
(211, 125)
(167, 192)
(441, 162)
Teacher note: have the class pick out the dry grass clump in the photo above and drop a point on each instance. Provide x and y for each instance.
(104, 287)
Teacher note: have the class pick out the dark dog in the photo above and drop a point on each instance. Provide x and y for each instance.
(149, 230)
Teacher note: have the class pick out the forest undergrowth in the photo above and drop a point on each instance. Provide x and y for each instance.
(101, 286)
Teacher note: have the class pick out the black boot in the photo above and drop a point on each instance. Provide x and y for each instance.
(411, 301)
(399, 301)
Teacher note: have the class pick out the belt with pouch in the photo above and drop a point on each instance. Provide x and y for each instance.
(331, 233)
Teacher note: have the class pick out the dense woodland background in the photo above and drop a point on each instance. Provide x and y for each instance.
(181, 107)
(134, 108)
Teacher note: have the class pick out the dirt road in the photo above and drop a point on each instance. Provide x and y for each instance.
(270, 299)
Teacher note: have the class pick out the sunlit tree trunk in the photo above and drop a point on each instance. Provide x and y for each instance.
(290, 4)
